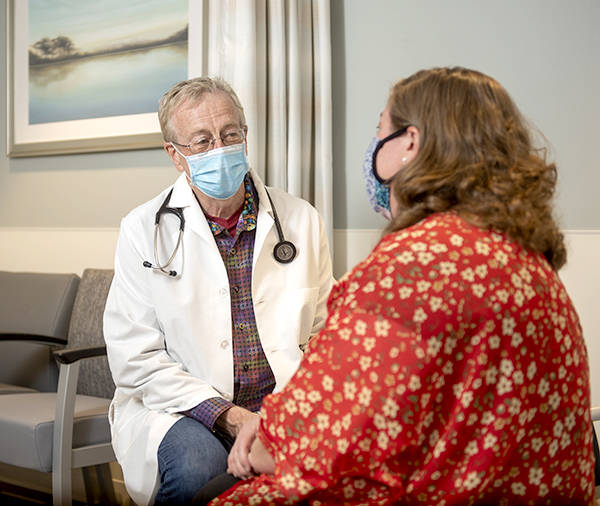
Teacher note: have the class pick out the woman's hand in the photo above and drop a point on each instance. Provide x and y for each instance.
(238, 462)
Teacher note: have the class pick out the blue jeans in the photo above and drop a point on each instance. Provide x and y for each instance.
(189, 456)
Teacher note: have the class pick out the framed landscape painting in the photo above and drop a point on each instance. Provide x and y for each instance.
(87, 75)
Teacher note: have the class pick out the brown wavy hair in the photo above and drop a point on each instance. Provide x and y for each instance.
(475, 158)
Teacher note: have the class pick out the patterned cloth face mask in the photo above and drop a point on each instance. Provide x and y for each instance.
(378, 192)
(219, 172)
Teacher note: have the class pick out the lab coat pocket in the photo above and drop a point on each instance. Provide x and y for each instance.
(302, 307)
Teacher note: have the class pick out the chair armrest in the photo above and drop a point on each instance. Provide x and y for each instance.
(33, 338)
(69, 356)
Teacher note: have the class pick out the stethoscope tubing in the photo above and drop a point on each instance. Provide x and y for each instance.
(284, 251)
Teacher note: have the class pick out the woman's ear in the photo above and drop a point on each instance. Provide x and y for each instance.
(413, 136)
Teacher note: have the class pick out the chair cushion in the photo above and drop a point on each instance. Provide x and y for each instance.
(27, 422)
(5, 388)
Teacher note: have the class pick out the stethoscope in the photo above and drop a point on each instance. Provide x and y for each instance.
(284, 251)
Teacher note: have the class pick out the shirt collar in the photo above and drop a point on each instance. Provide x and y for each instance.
(247, 220)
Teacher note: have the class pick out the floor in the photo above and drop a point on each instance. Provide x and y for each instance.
(11, 495)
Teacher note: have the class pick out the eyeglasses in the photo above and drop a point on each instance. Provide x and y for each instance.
(205, 143)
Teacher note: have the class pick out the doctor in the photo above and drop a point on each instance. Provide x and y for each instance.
(195, 345)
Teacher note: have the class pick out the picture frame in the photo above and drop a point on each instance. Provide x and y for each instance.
(96, 133)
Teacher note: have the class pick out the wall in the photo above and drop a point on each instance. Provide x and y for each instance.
(62, 213)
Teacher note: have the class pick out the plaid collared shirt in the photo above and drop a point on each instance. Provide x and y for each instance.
(252, 374)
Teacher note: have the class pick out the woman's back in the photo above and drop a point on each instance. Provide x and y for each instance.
(452, 368)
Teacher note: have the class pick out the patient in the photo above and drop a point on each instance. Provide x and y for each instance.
(452, 368)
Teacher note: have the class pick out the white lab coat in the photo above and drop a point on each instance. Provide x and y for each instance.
(169, 339)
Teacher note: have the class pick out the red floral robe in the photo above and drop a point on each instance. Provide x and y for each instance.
(452, 370)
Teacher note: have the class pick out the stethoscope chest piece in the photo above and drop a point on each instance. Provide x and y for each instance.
(284, 252)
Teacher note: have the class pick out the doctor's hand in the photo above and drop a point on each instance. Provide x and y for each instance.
(238, 462)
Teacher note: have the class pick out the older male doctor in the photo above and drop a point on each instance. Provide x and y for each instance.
(195, 345)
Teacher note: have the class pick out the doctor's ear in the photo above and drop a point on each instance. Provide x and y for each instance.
(175, 157)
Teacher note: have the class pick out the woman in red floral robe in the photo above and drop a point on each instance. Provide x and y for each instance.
(452, 369)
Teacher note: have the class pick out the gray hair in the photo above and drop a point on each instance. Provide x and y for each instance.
(192, 90)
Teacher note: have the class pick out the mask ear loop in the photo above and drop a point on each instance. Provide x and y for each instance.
(398, 133)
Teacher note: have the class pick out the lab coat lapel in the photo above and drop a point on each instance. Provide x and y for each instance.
(195, 221)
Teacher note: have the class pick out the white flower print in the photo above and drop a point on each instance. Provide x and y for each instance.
(369, 287)
(554, 400)
(447, 268)
(369, 343)
(491, 375)
(440, 447)
(350, 390)
(466, 399)
(435, 303)
(535, 476)
(481, 270)
(405, 257)
(456, 240)
(519, 298)
(502, 296)
(405, 292)
(482, 248)
(531, 371)
(487, 418)
(390, 408)
(420, 315)
(518, 377)
(364, 398)
(382, 328)
(438, 248)
(314, 396)
(419, 246)
(543, 387)
(327, 383)
(423, 286)
(553, 448)
(383, 440)
(472, 480)
(516, 280)
(508, 325)
(478, 290)
(386, 283)
(426, 257)
(360, 328)
(342, 445)
(489, 441)
(322, 421)
(518, 488)
(415, 383)
(433, 346)
(516, 340)
(504, 386)
(501, 258)
(494, 342)
(536, 444)
(472, 448)
(468, 275)
(506, 367)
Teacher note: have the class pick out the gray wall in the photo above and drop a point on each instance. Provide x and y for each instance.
(545, 52)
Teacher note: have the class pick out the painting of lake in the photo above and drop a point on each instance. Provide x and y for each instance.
(102, 58)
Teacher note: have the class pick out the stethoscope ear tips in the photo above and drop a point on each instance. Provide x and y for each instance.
(284, 252)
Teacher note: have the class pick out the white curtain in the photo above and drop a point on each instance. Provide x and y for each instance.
(277, 56)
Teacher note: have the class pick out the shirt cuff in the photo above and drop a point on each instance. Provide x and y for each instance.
(208, 411)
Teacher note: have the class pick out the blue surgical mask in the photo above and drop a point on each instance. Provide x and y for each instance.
(377, 192)
(219, 172)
